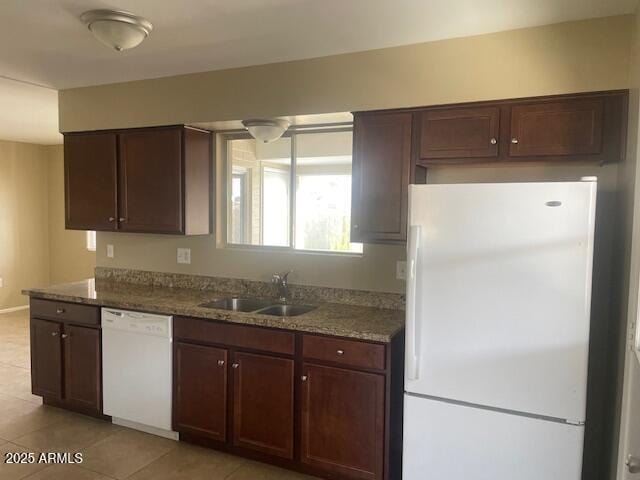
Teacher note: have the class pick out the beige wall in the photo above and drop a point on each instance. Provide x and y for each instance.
(24, 228)
(568, 57)
(69, 259)
(562, 58)
(627, 378)
(34, 248)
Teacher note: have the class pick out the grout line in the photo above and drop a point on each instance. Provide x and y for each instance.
(151, 463)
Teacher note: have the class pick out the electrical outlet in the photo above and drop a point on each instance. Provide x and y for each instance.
(110, 251)
(401, 270)
(1, 282)
(184, 255)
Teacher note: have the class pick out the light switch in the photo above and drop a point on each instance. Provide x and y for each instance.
(110, 251)
(401, 270)
(184, 255)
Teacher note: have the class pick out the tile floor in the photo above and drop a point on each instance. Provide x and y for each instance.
(110, 452)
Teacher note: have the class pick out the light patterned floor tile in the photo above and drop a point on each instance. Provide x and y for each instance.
(71, 435)
(190, 463)
(125, 452)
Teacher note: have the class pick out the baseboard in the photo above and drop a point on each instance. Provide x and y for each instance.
(14, 309)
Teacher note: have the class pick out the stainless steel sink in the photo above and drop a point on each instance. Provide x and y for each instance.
(238, 304)
(286, 310)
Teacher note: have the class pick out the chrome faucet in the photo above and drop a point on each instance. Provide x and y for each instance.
(281, 281)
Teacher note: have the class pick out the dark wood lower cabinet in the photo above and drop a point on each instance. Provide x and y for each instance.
(66, 356)
(343, 417)
(83, 360)
(46, 358)
(263, 403)
(200, 390)
(325, 406)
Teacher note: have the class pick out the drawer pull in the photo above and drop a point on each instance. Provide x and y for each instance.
(514, 141)
(304, 378)
(340, 352)
(54, 334)
(493, 141)
(64, 335)
(220, 363)
(235, 365)
(59, 310)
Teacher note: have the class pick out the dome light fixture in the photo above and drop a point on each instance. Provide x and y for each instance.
(117, 29)
(266, 130)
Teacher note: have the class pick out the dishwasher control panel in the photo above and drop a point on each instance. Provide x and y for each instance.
(137, 322)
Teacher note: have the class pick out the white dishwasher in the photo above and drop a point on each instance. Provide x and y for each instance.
(137, 370)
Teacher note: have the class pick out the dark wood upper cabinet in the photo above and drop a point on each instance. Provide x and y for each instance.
(570, 127)
(589, 127)
(148, 180)
(90, 177)
(263, 403)
(151, 181)
(380, 177)
(46, 358)
(459, 133)
(200, 390)
(83, 359)
(343, 420)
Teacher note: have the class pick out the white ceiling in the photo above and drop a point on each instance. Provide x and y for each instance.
(43, 41)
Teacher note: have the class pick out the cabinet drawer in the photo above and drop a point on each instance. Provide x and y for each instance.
(65, 312)
(254, 338)
(346, 352)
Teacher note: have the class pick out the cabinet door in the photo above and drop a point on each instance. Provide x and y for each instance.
(458, 133)
(343, 421)
(83, 367)
(381, 170)
(263, 404)
(151, 181)
(46, 358)
(570, 127)
(90, 181)
(200, 390)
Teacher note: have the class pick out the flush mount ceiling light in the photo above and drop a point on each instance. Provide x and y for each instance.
(266, 130)
(117, 29)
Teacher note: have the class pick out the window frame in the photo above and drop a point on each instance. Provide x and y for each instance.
(292, 133)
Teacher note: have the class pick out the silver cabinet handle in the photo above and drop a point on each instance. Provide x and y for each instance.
(122, 219)
(633, 464)
(514, 140)
(64, 335)
(356, 226)
(340, 352)
(54, 334)
(220, 363)
(493, 141)
(235, 365)
(112, 219)
(59, 310)
(304, 378)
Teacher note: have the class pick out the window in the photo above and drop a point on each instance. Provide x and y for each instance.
(91, 241)
(292, 193)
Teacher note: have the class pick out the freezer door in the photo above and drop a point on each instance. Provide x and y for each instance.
(444, 441)
(498, 295)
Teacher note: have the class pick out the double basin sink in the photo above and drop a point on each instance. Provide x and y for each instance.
(256, 305)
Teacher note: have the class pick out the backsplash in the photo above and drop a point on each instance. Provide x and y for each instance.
(298, 293)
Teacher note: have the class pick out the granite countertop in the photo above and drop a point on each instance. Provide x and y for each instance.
(351, 321)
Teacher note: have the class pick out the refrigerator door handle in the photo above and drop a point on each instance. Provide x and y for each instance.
(413, 341)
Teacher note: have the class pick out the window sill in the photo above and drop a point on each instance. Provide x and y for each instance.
(289, 250)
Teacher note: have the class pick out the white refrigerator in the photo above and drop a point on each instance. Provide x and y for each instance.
(497, 330)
